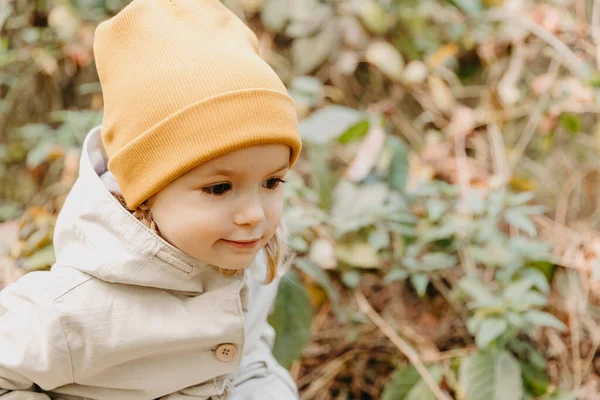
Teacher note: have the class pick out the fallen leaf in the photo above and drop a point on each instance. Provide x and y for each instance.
(310, 52)
(322, 253)
(353, 34)
(462, 122)
(441, 93)
(446, 52)
(386, 58)
(368, 154)
(415, 72)
(359, 254)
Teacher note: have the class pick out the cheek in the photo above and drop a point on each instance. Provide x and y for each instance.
(187, 227)
(273, 212)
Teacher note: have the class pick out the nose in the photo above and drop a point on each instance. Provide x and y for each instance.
(251, 211)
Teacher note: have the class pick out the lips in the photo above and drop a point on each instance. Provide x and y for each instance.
(242, 244)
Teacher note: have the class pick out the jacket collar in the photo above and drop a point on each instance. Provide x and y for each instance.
(96, 235)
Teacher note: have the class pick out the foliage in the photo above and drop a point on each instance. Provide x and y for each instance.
(435, 132)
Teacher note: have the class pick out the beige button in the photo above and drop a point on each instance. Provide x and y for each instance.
(226, 352)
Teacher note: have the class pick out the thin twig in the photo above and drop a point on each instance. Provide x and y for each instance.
(596, 30)
(574, 325)
(404, 347)
(534, 120)
(575, 65)
(498, 152)
(327, 374)
(449, 354)
(581, 21)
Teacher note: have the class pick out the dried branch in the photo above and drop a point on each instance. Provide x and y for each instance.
(403, 346)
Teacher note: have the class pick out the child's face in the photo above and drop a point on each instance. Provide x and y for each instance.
(225, 210)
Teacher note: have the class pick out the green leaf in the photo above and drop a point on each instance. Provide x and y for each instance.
(489, 330)
(10, 211)
(395, 274)
(406, 384)
(359, 254)
(314, 271)
(541, 318)
(399, 165)
(420, 283)
(486, 376)
(436, 208)
(310, 52)
(517, 218)
(379, 239)
(571, 122)
(535, 380)
(355, 132)
(328, 123)
(476, 201)
(469, 7)
(517, 289)
(45, 151)
(351, 278)
(509, 384)
(322, 174)
(533, 250)
(478, 291)
(519, 198)
(401, 383)
(40, 260)
(371, 14)
(292, 319)
(307, 90)
(421, 391)
(438, 260)
(538, 279)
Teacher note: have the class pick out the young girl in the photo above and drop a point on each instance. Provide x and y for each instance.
(173, 223)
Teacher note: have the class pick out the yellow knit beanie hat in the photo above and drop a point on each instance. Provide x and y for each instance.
(183, 83)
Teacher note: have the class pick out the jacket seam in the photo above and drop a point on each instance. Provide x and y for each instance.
(66, 342)
(57, 314)
(89, 278)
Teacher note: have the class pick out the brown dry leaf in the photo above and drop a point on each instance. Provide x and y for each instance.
(542, 83)
(446, 52)
(571, 89)
(547, 16)
(415, 72)
(347, 62)
(385, 57)
(64, 21)
(359, 254)
(71, 167)
(45, 61)
(353, 34)
(441, 93)
(419, 172)
(368, 154)
(9, 232)
(322, 253)
(462, 122)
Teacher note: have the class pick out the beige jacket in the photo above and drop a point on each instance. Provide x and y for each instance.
(123, 315)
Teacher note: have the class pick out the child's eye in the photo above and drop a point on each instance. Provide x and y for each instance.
(273, 183)
(217, 190)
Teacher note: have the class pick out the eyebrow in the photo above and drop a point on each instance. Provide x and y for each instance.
(227, 172)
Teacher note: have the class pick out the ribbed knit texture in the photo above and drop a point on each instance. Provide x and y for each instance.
(183, 83)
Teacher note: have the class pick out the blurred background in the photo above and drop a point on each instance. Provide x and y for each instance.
(444, 211)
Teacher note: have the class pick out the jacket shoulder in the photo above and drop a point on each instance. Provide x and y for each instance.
(31, 331)
(45, 287)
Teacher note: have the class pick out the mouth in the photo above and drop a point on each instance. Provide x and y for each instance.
(242, 244)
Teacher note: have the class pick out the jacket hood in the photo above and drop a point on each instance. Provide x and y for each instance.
(96, 235)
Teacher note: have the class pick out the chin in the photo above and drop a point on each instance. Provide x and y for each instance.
(236, 264)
